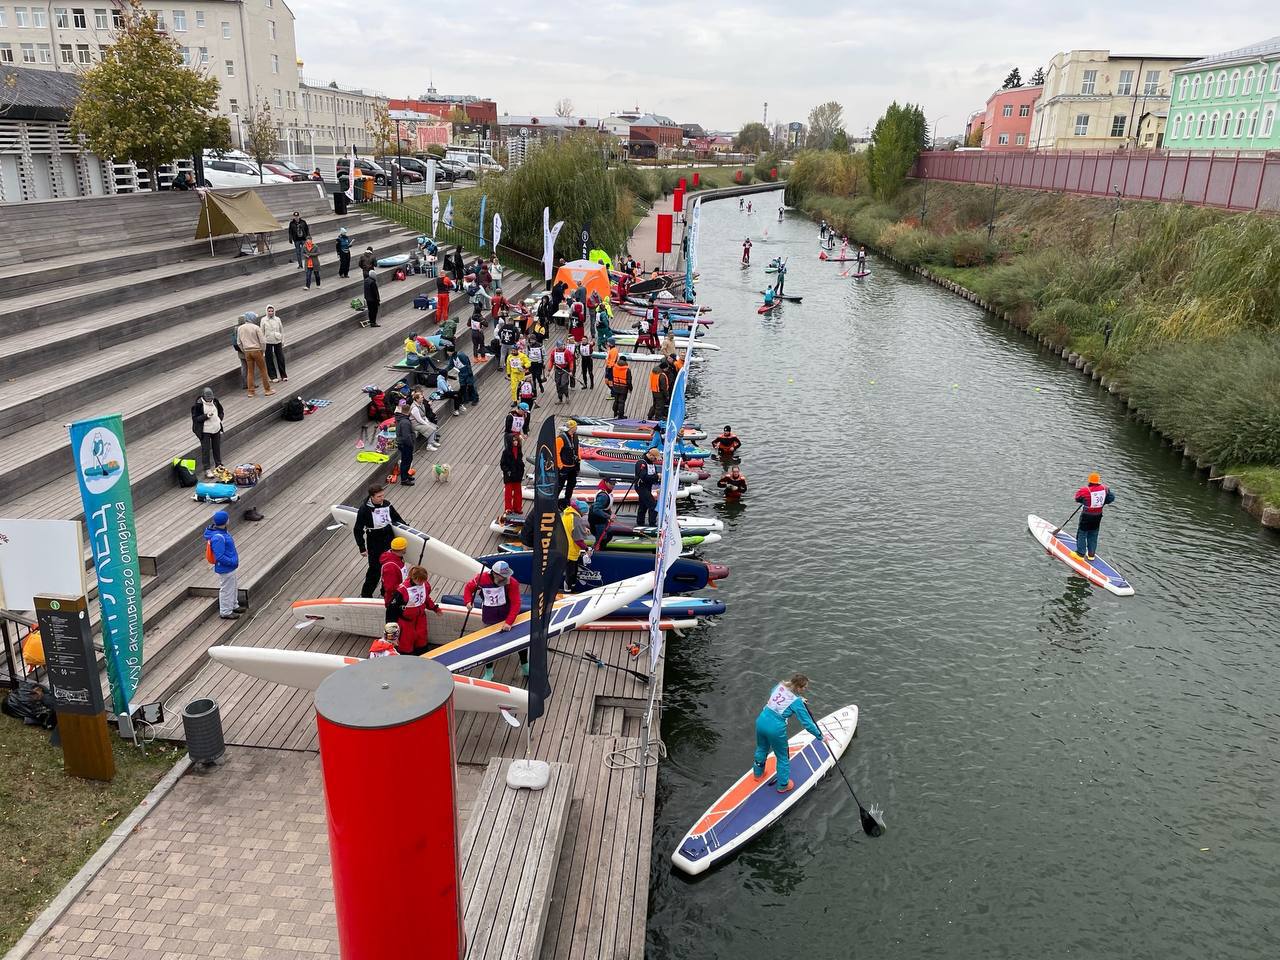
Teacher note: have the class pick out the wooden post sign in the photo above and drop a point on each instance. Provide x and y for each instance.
(75, 686)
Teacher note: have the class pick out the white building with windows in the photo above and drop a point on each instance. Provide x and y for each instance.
(247, 44)
(1095, 100)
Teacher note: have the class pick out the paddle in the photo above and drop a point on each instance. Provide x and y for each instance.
(1059, 527)
(464, 621)
(589, 656)
(872, 824)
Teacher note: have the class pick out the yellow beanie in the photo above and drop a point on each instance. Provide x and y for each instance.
(399, 543)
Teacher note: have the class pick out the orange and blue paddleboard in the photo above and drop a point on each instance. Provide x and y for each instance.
(751, 805)
(1062, 545)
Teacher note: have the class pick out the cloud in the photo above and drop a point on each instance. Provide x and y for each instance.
(718, 62)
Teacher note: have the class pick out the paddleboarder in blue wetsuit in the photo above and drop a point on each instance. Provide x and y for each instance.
(771, 728)
(1093, 496)
(782, 277)
(769, 297)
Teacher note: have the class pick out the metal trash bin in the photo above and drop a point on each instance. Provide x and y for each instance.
(202, 726)
(340, 202)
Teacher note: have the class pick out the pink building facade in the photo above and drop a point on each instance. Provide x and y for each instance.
(1007, 121)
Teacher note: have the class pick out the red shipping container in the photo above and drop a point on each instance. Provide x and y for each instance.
(677, 200)
(664, 233)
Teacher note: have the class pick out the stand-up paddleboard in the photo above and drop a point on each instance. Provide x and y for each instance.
(641, 357)
(306, 671)
(628, 423)
(784, 296)
(684, 450)
(608, 566)
(676, 608)
(625, 471)
(424, 549)
(1062, 545)
(823, 256)
(629, 456)
(513, 524)
(682, 343)
(626, 496)
(630, 545)
(751, 806)
(631, 433)
(768, 307)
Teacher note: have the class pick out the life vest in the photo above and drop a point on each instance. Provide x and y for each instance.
(383, 647)
(535, 354)
(560, 357)
(526, 389)
(566, 449)
(1097, 498)
(611, 358)
(415, 594)
(620, 376)
(654, 385)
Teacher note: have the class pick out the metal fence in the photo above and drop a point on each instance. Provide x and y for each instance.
(1231, 180)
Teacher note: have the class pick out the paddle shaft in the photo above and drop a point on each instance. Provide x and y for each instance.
(1068, 520)
(464, 621)
(592, 658)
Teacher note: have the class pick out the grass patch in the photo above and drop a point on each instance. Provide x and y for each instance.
(1264, 481)
(52, 822)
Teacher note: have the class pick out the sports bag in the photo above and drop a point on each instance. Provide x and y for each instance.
(294, 409)
(215, 492)
(246, 474)
(221, 475)
(422, 302)
(184, 471)
(377, 407)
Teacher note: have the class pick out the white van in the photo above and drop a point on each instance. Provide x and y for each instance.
(480, 162)
(236, 171)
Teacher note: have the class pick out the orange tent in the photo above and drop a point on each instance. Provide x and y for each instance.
(594, 277)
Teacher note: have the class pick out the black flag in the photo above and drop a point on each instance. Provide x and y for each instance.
(550, 556)
(586, 238)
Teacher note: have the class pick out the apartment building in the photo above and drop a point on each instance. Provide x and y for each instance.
(1006, 122)
(333, 118)
(247, 44)
(1228, 101)
(1094, 99)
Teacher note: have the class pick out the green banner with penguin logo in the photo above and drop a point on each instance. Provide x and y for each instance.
(97, 446)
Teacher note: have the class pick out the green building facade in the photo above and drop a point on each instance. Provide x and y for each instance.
(1228, 101)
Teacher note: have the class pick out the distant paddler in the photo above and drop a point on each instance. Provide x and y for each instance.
(785, 702)
(779, 214)
(782, 277)
(746, 251)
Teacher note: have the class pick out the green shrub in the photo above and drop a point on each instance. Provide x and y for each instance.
(968, 249)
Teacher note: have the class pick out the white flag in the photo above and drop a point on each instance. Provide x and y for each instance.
(448, 214)
(435, 212)
(497, 231)
(351, 174)
(549, 234)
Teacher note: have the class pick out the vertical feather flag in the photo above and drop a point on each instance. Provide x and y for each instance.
(550, 557)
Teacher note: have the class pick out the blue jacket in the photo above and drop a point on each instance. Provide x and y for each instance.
(791, 705)
(462, 363)
(224, 549)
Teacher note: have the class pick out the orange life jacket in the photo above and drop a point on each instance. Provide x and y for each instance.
(620, 376)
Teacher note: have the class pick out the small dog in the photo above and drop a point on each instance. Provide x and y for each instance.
(441, 472)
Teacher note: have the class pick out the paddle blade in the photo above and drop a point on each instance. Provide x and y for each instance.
(873, 821)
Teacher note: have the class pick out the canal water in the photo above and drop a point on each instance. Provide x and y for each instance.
(1064, 772)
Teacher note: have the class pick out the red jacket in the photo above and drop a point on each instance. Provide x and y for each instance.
(393, 570)
(1094, 496)
(409, 605)
(507, 610)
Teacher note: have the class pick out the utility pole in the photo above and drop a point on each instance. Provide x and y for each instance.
(766, 115)
(1116, 215)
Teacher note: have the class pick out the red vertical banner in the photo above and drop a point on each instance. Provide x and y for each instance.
(664, 233)
(683, 184)
(371, 717)
(773, 173)
(696, 178)
(677, 199)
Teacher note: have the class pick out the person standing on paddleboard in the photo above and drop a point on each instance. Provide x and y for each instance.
(374, 533)
(746, 252)
(786, 701)
(497, 593)
(782, 277)
(1093, 496)
(862, 259)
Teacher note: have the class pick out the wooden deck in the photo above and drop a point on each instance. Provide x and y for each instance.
(600, 898)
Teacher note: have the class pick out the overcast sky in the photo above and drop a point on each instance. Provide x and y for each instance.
(719, 63)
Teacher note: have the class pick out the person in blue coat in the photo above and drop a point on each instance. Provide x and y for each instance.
(222, 548)
(771, 728)
(466, 376)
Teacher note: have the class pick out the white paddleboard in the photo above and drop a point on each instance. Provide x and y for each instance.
(1062, 546)
(424, 549)
(306, 671)
(751, 806)
(682, 343)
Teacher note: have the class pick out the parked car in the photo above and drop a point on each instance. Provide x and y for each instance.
(457, 170)
(283, 170)
(420, 167)
(475, 160)
(366, 166)
(407, 174)
(233, 172)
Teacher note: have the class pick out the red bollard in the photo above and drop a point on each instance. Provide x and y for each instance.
(387, 756)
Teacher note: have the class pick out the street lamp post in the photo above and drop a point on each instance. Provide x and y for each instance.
(1116, 214)
(924, 198)
(399, 164)
(991, 222)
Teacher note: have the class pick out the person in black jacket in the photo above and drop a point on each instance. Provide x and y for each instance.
(298, 233)
(207, 424)
(343, 244)
(648, 476)
(404, 441)
(372, 298)
(512, 475)
(374, 533)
